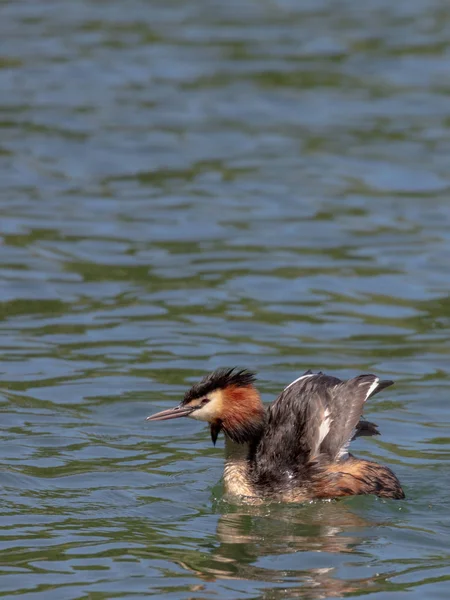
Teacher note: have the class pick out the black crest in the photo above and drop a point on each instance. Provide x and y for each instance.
(218, 380)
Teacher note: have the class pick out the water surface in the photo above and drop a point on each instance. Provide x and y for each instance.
(187, 185)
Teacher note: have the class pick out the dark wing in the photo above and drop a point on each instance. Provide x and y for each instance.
(316, 414)
(365, 428)
(346, 407)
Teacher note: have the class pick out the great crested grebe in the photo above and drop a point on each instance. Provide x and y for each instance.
(296, 449)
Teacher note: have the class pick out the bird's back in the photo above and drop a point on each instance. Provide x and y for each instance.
(303, 449)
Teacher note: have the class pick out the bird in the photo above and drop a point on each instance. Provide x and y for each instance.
(297, 449)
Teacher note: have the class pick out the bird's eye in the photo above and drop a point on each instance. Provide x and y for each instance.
(204, 401)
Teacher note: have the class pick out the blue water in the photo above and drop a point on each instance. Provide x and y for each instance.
(187, 185)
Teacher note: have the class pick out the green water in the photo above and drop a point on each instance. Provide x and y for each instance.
(187, 185)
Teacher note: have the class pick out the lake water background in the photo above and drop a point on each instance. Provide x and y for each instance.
(187, 185)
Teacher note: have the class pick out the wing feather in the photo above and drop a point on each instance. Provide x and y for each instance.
(316, 414)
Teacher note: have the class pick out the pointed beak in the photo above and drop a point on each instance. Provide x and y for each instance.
(171, 413)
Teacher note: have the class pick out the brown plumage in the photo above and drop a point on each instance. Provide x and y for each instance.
(296, 449)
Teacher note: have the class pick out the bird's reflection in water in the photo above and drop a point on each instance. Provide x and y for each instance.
(247, 534)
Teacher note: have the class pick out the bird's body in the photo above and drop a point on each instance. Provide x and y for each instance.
(295, 450)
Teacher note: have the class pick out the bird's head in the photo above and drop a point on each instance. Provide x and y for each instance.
(227, 400)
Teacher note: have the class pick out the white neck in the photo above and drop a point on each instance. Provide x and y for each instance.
(235, 474)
